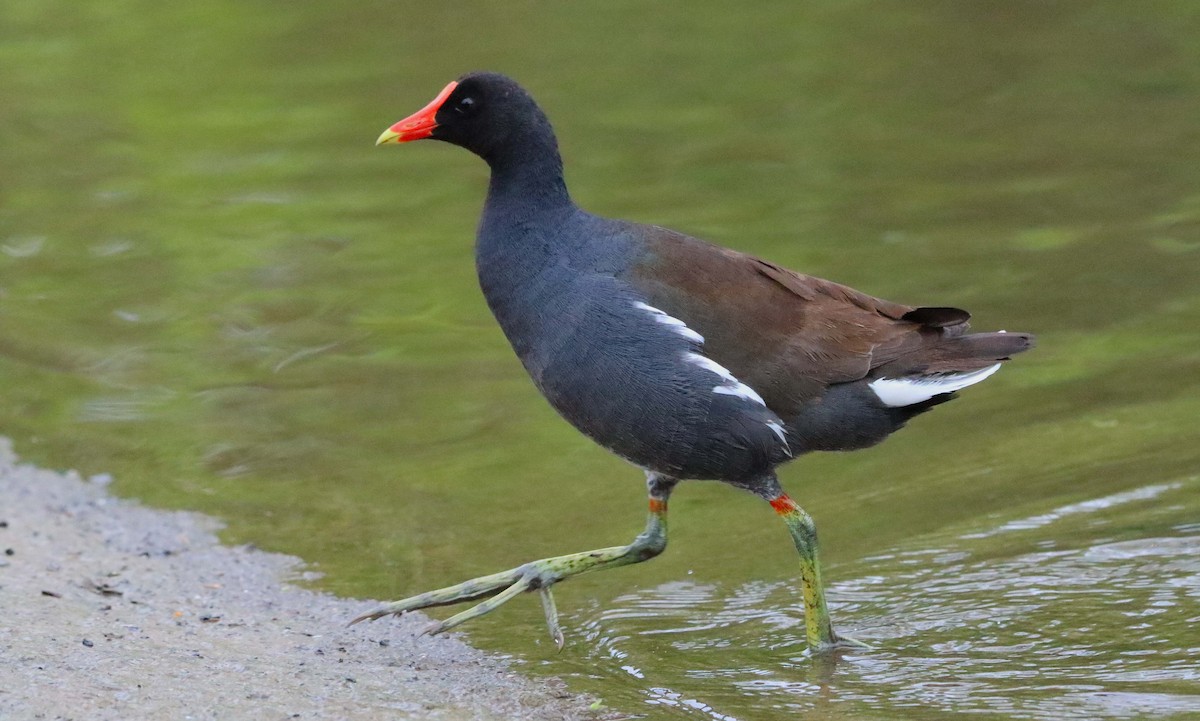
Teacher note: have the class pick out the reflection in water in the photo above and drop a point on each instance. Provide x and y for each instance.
(1098, 504)
(132, 406)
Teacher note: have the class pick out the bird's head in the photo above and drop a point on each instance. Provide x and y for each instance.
(482, 112)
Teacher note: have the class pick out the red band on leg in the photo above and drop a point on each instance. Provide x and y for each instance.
(783, 504)
(658, 506)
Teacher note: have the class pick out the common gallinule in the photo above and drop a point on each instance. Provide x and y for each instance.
(688, 360)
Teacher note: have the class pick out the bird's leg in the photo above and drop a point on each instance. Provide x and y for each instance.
(540, 575)
(820, 633)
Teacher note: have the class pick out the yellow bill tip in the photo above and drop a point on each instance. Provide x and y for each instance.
(388, 136)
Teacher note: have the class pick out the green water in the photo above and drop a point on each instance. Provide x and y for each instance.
(214, 288)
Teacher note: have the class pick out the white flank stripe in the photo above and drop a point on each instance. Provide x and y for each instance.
(741, 390)
(710, 365)
(732, 386)
(677, 325)
(898, 392)
(778, 429)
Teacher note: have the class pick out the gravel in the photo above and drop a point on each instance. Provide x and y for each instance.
(112, 610)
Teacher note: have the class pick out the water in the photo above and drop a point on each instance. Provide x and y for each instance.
(213, 287)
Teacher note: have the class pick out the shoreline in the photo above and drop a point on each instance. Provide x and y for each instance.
(116, 610)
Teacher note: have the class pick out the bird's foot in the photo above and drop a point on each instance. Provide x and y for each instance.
(540, 575)
(837, 642)
(499, 588)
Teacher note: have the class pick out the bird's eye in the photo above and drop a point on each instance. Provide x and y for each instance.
(466, 105)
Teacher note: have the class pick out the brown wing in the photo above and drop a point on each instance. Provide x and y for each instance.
(787, 335)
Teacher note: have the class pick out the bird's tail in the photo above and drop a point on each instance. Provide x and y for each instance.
(958, 355)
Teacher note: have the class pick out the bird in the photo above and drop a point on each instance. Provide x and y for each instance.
(689, 360)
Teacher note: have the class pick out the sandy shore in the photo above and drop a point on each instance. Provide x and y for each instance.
(112, 610)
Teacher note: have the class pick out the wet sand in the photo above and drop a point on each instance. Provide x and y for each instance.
(112, 610)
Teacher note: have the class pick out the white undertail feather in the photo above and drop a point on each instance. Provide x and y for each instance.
(677, 325)
(898, 392)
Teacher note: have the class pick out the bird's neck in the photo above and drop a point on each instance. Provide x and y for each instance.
(521, 232)
(527, 177)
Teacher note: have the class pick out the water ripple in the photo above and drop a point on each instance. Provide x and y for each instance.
(1105, 630)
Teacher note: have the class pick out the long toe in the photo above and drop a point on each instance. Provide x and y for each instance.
(840, 642)
(484, 608)
(471, 590)
(850, 642)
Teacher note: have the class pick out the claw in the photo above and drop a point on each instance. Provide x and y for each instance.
(372, 616)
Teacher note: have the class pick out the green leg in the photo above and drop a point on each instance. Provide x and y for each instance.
(820, 633)
(540, 575)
